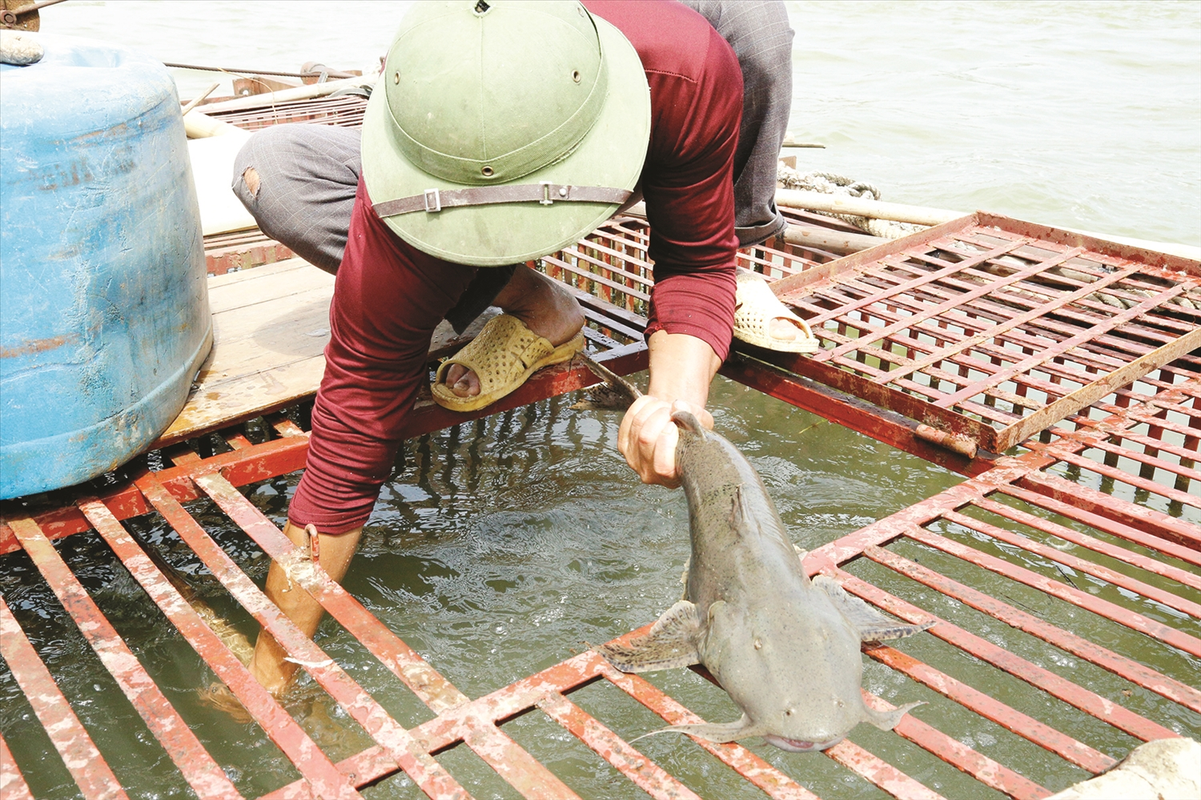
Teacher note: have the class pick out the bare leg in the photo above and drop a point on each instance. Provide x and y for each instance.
(545, 306)
(268, 665)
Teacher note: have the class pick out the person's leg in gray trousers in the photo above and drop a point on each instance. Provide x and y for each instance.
(759, 33)
(299, 182)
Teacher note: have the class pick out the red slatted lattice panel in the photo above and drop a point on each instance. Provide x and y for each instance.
(989, 329)
(344, 111)
(1098, 518)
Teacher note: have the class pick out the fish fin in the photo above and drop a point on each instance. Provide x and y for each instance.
(887, 720)
(670, 643)
(716, 732)
(688, 421)
(741, 512)
(870, 623)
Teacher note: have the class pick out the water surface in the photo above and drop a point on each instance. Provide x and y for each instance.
(1079, 114)
(503, 545)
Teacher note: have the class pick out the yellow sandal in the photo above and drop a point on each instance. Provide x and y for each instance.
(503, 356)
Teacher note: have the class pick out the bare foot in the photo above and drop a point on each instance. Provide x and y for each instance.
(544, 305)
(786, 330)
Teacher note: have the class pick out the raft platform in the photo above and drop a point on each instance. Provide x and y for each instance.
(1060, 375)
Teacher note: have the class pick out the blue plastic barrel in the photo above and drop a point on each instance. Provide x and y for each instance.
(104, 317)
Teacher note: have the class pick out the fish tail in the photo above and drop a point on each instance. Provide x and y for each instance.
(688, 421)
(230, 635)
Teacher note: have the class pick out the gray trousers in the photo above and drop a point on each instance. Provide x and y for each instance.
(760, 36)
(307, 177)
(308, 174)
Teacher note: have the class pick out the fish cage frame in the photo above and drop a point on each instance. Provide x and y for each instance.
(1141, 438)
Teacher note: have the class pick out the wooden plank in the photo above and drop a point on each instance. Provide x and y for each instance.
(270, 328)
(265, 284)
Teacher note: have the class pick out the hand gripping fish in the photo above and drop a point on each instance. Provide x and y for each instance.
(785, 648)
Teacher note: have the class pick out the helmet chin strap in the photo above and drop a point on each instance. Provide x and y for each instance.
(545, 193)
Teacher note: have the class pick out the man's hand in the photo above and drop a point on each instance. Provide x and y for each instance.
(648, 438)
(681, 368)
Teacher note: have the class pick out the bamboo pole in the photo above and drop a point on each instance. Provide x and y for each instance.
(841, 204)
(920, 215)
(299, 93)
(832, 241)
(195, 101)
(201, 126)
(814, 236)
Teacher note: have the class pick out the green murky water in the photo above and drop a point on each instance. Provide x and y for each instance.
(506, 544)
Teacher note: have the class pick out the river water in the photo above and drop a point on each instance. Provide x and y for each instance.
(1079, 114)
(501, 546)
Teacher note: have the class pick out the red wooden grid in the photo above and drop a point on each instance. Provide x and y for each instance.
(345, 111)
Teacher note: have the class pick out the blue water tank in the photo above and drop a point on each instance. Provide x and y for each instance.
(104, 317)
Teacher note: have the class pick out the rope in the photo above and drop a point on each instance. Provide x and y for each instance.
(829, 183)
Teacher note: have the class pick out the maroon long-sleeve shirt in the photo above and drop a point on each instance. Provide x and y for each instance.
(389, 296)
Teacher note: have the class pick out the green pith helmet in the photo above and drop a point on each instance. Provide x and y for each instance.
(503, 130)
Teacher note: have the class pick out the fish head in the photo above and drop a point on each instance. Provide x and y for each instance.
(794, 673)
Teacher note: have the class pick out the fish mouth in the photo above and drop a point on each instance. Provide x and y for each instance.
(800, 746)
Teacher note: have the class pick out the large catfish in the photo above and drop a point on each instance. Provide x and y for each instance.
(785, 648)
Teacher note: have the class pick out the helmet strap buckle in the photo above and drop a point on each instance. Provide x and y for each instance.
(433, 201)
(562, 193)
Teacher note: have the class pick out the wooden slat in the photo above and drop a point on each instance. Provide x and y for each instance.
(270, 328)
